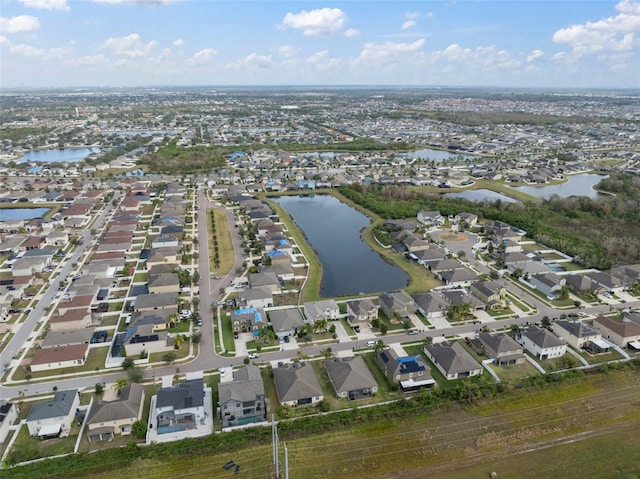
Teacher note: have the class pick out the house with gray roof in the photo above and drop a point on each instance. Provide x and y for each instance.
(297, 384)
(452, 360)
(242, 401)
(430, 218)
(410, 372)
(458, 277)
(266, 280)
(351, 378)
(431, 305)
(579, 335)
(491, 292)
(502, 348)
(362, 310)
(150, 302)
(259, 297)
(8, 415)
(397, 303)
(182, 409)
(53, 418)
(326, 309)
(106, 419)
(549, 284)
(542, 343)
(286, 322)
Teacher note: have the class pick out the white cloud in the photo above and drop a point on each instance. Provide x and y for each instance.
(388, 52)
(4, 40)
(203, 56)
(59, 53)
(257, 61)
(287, 51)
(21, 23)
(351, 32)
(412, 15)
(534, 55)
(178, 43)
(46, 4)
(615, 33)
(314, 23)
(91, 60)
(27, 50)
(482, 58)
(130, 46)
(321, 61)
(153, 3)
(408, 24)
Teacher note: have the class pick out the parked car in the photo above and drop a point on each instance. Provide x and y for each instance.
(235, 335)
(412, 332)
(286, 339)
(254, 356)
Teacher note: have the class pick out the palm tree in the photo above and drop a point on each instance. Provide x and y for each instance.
(119, 385)
(380, 346)
(327, 353)
(320, 325)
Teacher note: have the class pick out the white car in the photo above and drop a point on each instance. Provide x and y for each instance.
(221, 372)
(254, 356)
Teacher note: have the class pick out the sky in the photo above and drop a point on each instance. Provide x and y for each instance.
(113, 43)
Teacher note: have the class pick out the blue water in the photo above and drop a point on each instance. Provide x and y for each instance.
(66, 155)
(22, 213)
(170, 429)
(437, 155)
(333, 228)
(576, 185)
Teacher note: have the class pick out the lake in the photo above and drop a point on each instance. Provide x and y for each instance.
(576, 185)
(55, 155)
(481, 195)
(332, 228)
(437, 155)
(22, 213)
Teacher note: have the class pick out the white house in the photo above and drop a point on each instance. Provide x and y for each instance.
(54, 418)
(543, 344)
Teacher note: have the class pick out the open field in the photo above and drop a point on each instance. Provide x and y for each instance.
(580, 427)
(226, 254)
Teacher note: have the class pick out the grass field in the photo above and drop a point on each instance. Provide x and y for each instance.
(585, 427)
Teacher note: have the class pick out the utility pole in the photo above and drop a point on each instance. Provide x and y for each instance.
(286, 461)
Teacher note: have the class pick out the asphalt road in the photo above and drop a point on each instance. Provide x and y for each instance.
(207, 358)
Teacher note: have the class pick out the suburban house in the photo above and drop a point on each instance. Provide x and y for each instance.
(397, 304)
(242, 401)
(164, 283)
(627, 274)
(59, 357)
(469, 218)
(430, 218)
(427, 256)
(297, 385)
(321, 310)
(619, 333)
(458, 277)
(492, 293)
(266, 280)
(149, 302)
(8, 415)
(415, 244)
(259, 297)
(247, 320)
(73, 319)
(502, 348)
(605, 282)
(53, 418)
(549, 284)
(286, 322)
(106, 419)
(351, 378)
(410, 372)
(182, 408)
(144, 338)
(431, 305)
(580, 336)
(452, 360)
(542, 343)
(362, 310)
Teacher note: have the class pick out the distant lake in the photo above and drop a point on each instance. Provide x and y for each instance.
(333, 229)
(437, 155)
(55, 155)
(576, 185)
(22, 213)
(481, 195)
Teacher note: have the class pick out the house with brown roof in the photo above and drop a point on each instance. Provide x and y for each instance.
(59, 357)
(620, 333)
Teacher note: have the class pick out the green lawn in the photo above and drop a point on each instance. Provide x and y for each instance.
(227, 334)
(510, 373)
(226, 253)
(95, 359)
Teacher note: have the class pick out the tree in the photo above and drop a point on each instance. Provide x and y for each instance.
(196, 337)
(379, 346)
(327, 353)
(461, 254)
(169, 357)
(119, 385)
(135, 375)
(99, 388)
(139, 429)
(127, 363)
(384, 328)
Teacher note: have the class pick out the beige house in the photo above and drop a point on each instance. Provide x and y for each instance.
(164, 283)
(59, 357)
(53, 418)
(106, 419)
(362, 310)
(74, 319)
(619, 333)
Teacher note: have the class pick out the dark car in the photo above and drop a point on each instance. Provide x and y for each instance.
(235, 335)
(286, 339)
